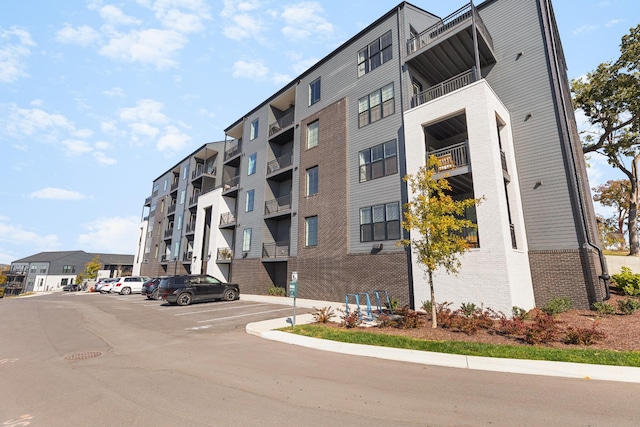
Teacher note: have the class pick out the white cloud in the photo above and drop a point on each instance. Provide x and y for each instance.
(53, 193)
(304, 20)
(254, 70)
(102, 145)
(14, 53)
(613, 23)
(74, 147)
(231, 7)
(185, 16)
(144, 130)
(27, 122)
(14, 237)
(172, 140)
(585, 29)
(114, 16)
(242, 27)
(102, 158)
(111, 235)
(115, 92)
(145, 111)
(83, 35)
(153, 47)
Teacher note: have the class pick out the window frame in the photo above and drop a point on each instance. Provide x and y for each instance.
(251, 164)
(246, 239)
(253, 131)
(313, 134)
(311, 231)
(372, 229)
(367, 161)
(375, 54)
(249, 200)
(369, 113)
(312, 181)
(315, 88)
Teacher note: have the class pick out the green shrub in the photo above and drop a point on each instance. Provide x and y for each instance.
(469, 309)
(519, 313)
(628, 306)
(426, 306)
(627, 282)
(393, 304)
(604, 308)
(277, 291)
(557, 305)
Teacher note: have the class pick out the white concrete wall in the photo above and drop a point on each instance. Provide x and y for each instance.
(215, 201)
(494, 275)
(140, 255)
(615, 263)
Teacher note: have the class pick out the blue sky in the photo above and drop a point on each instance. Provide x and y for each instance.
(97, 99)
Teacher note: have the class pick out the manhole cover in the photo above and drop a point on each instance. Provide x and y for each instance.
(83, 356)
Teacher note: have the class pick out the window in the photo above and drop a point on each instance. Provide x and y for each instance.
(176, 250)
(182, 196)
(185, 171)
(311, 231)
(376, 105)
(166, 184)
(43, 269)
(179, 225)
(380, 222)
(254, 130)
(68, 269)
(312, 134)
(248, 205)
(246, 240)
(375, 54)
(312, 181)
(153, 209)
(251, 166)
(378, 161)
(156, 187)
(314, 91)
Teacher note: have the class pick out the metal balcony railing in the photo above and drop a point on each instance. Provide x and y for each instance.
(281, 162)
(277, 205)
(233, 150)
(224, 254)
(174, 185)
(451, 157)
(171, 208)
(227, 218)
(194, 199)
(191, 227)
(168, 232)
(187, 256)
(454, 83)
(231, 183)
(282, 123)
(275, 249)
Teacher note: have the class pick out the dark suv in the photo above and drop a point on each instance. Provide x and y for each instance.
(150, 288)
(183, 290)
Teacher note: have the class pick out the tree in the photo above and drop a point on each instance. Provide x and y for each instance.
(439, 221)
(92, 267)
(615, 194)
(610, 99)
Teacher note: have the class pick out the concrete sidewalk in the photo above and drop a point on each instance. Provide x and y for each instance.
(268, 330)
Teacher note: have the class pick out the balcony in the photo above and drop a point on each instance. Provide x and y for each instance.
(227, 219)
(231, 184)
(280, 163)
(168, 233)
(233, 150)
(453, 158)
(194, 199)
(447, 86)
(278, 206)
(174, 186)
(171, 209)
(282, 123)
(187, 256)
(164, 259)
(224, 255)
(191, 227)
(275, 250)
(147, 201)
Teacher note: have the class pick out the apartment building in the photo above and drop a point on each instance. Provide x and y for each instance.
(310, 180)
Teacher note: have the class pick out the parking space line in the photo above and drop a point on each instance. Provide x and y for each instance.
(217, 309)
(244, 315)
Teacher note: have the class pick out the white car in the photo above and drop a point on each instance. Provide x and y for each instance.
(106, 287)
(128, 285)
(98, 286)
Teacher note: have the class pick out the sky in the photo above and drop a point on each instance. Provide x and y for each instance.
(99, 98)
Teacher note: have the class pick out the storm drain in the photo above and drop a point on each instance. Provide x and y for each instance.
(83, 356)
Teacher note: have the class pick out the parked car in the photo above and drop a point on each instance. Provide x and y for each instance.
(183, 290)
(127, 285)
(150, 288)
(106, 287)
(71, 288)
(100, 283)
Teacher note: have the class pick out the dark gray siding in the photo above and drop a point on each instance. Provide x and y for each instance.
(522, 82)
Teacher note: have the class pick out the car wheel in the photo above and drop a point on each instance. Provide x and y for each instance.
(155, 294)
(229, 295)
(125, 291)
(184, 298)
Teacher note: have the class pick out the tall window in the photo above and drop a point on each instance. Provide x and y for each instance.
(376, 105)
(311, 231)
(378, 161)
(251, 167)
(248, 205)
(314, 91)
(254, 130)
(183, 195)
(176, 249)
(312, 181)
(166, 184)
(312, 134)
(246, 240)
(179, 224)
(375, 54)
(380, 222)
(185, 171)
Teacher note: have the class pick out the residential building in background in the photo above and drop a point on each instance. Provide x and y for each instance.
(311, 179)
(51, 271)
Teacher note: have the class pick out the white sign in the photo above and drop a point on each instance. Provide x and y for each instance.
(294, 276)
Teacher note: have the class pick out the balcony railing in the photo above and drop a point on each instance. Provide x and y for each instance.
(447, 25)
(454, 83)
(164, 258)
(227, 218)
(194, 199)
(275, 250)
(283, 122)
(224, 254)
(233, 150)
(200, 170)
(187, 256)
(471, 236)
(231, 183)
(280, 163)
(171, 208)
(503, 160)
(191, 227)
(168, 232)
(174, 185)
(451, 157)
(277, 205)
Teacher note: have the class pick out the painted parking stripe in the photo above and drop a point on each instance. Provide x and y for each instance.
(243, 315)
(218, 309)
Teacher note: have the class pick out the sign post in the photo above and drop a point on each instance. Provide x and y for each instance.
(293, 293)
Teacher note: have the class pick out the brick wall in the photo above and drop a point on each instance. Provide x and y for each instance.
(561, 273)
